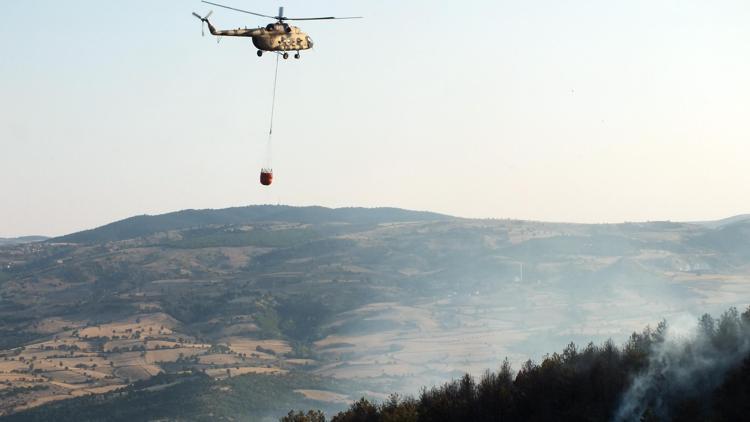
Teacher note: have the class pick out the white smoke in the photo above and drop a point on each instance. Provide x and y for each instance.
(686, 364)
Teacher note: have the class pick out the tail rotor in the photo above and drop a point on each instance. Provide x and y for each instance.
(203, 20)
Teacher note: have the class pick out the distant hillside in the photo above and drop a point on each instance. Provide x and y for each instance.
(732, 238)
(21, 240)
(387, 299)
(143, 225)
(724, 221)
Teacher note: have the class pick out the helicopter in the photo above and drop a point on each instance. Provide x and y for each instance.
(278, 37)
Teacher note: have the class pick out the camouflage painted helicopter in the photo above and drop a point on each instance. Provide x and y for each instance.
(278, 37)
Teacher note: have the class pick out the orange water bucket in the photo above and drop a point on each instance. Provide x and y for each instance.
(266, 177)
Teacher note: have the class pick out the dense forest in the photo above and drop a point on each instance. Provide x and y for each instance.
(659, 374)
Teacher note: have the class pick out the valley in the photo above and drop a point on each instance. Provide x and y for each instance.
(359, 302)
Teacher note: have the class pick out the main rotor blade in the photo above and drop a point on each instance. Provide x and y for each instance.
(323, 18)
(197, 15)
(239, 10)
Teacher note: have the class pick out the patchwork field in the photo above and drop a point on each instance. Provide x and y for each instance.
(96, 359)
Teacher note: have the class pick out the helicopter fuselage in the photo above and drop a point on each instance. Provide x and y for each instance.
(272, 37)
(278, 37)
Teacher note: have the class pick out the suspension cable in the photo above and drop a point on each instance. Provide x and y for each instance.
(273, 100)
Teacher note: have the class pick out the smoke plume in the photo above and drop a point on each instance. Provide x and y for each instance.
(683, 367)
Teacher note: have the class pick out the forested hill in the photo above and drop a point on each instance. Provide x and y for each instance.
(658, 375)
(144, 225)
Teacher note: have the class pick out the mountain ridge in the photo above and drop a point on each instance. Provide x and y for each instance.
(145, 224)
(142, 225)
(739, 218)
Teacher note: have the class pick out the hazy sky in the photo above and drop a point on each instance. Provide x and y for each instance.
(590, 111)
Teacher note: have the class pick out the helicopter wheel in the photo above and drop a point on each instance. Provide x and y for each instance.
(286, 56)
(296, 56)
(260, 53)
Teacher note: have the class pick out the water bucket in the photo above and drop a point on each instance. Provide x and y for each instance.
(266, 177)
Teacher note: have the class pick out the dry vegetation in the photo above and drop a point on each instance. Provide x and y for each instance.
(81, 360)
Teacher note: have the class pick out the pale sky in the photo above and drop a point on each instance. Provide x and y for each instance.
(581, 111)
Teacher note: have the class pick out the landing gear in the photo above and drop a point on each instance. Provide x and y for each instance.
(260, 53)
(286, 55)
(296, 56)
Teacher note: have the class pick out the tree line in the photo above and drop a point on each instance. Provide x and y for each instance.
(656, 375)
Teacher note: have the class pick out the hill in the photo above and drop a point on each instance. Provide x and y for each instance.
(368, 301)
(144, 225)
(656, 376)
(725, 221)
(21, 240)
